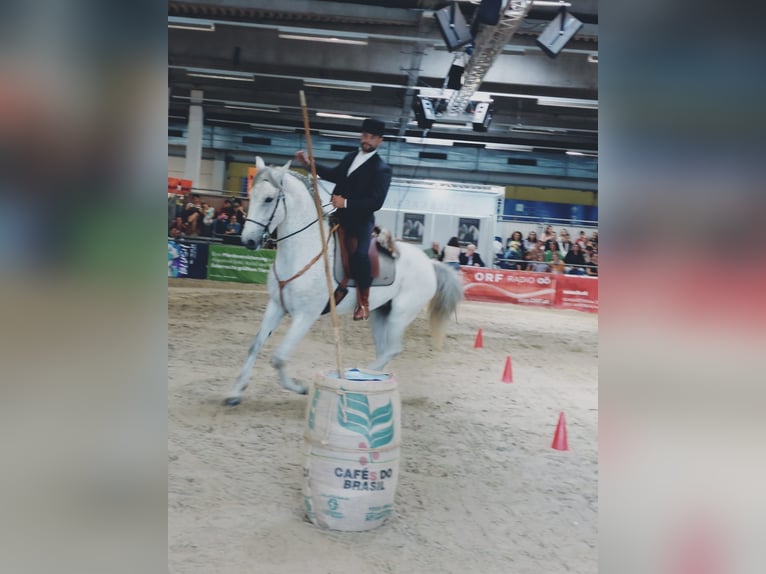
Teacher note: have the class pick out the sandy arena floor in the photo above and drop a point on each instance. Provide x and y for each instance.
(480, 489)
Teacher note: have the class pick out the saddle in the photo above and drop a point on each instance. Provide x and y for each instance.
(381, 264)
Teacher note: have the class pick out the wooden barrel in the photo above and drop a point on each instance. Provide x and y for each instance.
(352, 440)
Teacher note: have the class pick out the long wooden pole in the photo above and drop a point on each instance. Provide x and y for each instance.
(320, 216)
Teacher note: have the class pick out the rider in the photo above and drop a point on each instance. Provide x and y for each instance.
(361, 185)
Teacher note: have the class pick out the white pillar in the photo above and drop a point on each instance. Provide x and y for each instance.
(194, 139)
(219, 171)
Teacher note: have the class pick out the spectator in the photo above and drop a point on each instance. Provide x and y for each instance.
(529, 258)
(433, 251)
(222, 220)
(451, 253)
(531, 241)
(227, 208)
(594, 239)
(582, 240)
(173, 209)
(192, 215)
(470, 257)
(566, 242)
(551, 247)
(556, 265)
(208, 219)
(239, 212)
(575, 260)
(176, 228)
(548, 234)
(538, 263)
(233, 227)
(591, 267)
(514, 252)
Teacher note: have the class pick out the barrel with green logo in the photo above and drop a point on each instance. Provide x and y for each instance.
(352, 443)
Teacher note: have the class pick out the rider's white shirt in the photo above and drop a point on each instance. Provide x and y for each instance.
(360, 158)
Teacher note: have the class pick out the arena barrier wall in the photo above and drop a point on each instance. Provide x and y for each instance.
(187, 259)
(235, 263)
(528, 288)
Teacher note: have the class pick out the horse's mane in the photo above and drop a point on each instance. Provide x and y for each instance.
(268, 173)
(305, 179)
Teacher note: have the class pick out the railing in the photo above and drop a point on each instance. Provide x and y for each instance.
(547, 220)
(525, 262)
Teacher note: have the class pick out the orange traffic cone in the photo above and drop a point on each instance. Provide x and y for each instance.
(560, 437)
(507, 373)
(479, 342)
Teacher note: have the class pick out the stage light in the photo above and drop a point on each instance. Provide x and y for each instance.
(482, 116)
(424, 112)
(558, 32)
(453, 27)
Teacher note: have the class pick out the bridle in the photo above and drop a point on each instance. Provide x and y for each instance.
(281, 197)
(267, 233)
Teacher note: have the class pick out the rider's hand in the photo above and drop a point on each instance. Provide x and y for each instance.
(338, 201)
(301, 157)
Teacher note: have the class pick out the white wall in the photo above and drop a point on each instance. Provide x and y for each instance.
(176, 169)
(443, 204)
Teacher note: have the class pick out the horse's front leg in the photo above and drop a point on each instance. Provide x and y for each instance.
(271, 318)
(298, 329)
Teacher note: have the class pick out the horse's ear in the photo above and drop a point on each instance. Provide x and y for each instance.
(259, 163)
(287, 165)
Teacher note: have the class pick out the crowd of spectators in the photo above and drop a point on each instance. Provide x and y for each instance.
(191, 217)
(454, 256)
(552, 252)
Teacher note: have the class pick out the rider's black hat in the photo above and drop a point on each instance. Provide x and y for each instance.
(373, 126)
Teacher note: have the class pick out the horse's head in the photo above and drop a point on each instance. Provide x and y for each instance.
(267, 204)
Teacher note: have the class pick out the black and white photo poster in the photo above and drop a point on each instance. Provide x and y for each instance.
(468, 231)
(413, 227)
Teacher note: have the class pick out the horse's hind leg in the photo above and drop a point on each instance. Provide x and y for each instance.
(271, 319)
(298, 329)
(393, 328)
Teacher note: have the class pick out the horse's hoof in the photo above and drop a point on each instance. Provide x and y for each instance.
(296, 388)
(232, 401)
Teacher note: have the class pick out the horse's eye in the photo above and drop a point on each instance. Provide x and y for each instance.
(268, 200)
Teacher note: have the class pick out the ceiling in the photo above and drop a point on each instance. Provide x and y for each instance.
(384, 55)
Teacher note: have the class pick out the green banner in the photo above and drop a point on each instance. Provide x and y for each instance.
(234, 263)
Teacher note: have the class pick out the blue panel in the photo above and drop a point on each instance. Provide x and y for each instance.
(546, 210)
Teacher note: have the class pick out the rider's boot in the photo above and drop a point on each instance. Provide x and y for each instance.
(362, 311)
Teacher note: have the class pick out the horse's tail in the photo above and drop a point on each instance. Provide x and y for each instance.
(449, 292)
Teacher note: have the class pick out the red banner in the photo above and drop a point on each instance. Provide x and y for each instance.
(178, 185)
(528, 288)
(577, 292)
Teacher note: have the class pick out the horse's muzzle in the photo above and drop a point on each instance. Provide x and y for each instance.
(251, 244)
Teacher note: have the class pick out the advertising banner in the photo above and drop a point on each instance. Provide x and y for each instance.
(577, 292)
(528, 288)
(501, 285)
(235, 263)
(187, 259)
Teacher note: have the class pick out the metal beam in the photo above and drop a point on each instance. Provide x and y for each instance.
(488, 44)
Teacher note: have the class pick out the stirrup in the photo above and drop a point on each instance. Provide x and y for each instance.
(361, 313)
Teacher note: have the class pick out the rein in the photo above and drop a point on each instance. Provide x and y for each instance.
(282, 283)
